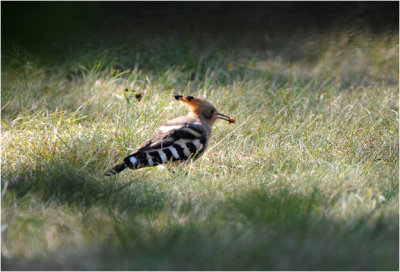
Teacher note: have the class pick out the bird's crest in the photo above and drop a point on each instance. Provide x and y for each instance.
(201, 106)
(192, 102)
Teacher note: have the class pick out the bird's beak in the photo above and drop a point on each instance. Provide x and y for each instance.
(230, 119)
(223, 116)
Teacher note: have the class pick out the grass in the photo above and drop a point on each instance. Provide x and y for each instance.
(307, 178)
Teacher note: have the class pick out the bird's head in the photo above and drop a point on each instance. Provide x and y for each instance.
(203, 109)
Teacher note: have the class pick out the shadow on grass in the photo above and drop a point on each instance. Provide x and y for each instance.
(63, 184)
(255, 230)
(296, 234)
(258, 230)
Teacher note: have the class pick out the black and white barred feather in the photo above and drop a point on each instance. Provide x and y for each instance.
(179, 139)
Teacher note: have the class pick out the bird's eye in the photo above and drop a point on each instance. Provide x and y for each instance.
(212, 111)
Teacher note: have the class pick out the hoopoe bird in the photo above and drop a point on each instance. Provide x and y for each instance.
(182, 138)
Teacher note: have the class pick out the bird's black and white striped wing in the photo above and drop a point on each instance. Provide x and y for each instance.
(178, 139)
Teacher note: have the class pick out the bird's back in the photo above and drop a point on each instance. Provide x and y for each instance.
(179, 139)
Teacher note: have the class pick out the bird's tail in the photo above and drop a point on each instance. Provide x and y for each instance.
(116, 169)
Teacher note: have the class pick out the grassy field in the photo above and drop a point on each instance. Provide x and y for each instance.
(307, 178)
